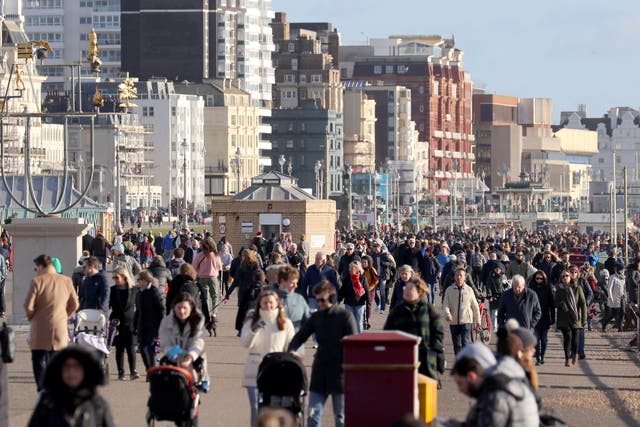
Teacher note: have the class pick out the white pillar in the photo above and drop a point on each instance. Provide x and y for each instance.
(56, 237)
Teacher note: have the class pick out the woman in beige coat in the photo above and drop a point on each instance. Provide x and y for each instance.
(266, 330)
(51, 299)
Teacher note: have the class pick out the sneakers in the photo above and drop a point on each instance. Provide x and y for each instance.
(134, 376)
(121, 376)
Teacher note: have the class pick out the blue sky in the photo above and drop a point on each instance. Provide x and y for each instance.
(575, 52)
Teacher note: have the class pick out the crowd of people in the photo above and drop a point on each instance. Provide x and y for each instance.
(165, 290)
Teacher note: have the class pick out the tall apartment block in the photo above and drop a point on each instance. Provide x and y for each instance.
(431, 67)
(66, 25)
(308, 103)
(224, 39)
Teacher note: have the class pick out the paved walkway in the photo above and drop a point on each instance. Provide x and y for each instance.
(604, 389)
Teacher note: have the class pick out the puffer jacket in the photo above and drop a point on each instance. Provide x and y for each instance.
(461, 304)
(262, 341)
(505, 398)
(615, 289)
(170, 335)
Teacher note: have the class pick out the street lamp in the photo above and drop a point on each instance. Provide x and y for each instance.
(317, 168)
(290, 167)
(118, 135)
(482, 176)
(281, 162)
(184, 191)
(238, 163)
(350, 202)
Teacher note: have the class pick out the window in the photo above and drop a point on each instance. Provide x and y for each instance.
(377, 69)
(173, 111)
(402, 69)
(292, 47)
(303, 78)
(294, 64)
(316, 78)
(388, 69)
(421, 108)
(85, 20)
(454, 90)
(289, 78)
(436, 88)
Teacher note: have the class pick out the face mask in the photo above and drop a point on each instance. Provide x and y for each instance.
(269, 316)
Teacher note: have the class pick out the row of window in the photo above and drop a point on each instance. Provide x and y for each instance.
(44, 4)
(48, 37)
(314, 78)
(389, 69)
(44, 21)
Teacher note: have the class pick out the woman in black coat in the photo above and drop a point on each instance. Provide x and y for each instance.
(539, 284)
(149, 314)
(355, 292)
(69, 397)
(122, 301)
(247, 280)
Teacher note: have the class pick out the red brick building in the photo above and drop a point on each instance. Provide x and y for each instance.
(441, 94)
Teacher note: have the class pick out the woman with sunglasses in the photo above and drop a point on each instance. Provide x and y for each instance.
(572, 315)
(265, 330)
(123, 301)
(539, 284)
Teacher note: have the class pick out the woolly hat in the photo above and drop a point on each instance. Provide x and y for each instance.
(480, 353)
(118, 247)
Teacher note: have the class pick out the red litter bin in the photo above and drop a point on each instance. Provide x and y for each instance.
(380, 377)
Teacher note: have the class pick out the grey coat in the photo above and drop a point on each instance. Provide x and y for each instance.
(525, 309)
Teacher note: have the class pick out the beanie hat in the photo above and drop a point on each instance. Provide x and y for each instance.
(480, 353)
(118, 247)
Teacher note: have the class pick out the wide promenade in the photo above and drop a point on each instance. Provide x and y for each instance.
(602, 390)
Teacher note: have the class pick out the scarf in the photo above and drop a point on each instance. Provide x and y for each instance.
(569, 299)
(357, 286)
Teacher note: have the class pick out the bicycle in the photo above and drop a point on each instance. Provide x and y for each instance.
(483, 333)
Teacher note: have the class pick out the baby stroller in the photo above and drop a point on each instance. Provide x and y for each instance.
(282, 383)
(90, 329)
(174, 392)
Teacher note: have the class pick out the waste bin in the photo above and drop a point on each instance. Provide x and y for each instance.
(428, 397)
(380, 377)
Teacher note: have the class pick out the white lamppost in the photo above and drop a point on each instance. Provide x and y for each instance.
(317, 168)
(118, 136)
(185, 212)
(281, 162)
(350, 202)
(238, 165)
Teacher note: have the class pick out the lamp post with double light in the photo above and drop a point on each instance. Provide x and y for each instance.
(185, 212)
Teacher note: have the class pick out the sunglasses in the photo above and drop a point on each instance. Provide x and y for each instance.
(322, 300)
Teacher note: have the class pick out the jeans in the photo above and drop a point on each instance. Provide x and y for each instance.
(569, 341)
(433, 291)
(252, 392)
(39, 361)
(581, 342)
(316, 406)
(494, 319)
(103, 261)
(382, 290)
(148, 354)
(313, 307)
(541, 333)
(3, 307)
(358, 313)
(461, 336)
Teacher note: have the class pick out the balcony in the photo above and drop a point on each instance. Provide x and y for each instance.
(471, 156)
(438, 133)
(447, 135)
(264, 145)
(456, 135)
(438, 153)
(471, 137)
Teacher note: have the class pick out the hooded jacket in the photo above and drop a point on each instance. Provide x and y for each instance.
(505, 398)
(61, 406)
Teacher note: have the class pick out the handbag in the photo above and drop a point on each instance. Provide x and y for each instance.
(7, 343)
